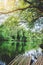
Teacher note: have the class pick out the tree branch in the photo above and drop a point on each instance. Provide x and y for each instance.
(15, 10)
(32, 6)
(19, 9)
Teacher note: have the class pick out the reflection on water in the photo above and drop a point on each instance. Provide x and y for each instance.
(2, 63)
(8, 51)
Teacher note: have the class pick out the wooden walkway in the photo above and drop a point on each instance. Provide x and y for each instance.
(26, 60)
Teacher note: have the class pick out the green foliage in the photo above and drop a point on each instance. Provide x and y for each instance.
(16, 40)
(28, 14)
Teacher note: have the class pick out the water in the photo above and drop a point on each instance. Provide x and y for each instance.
(2, 63)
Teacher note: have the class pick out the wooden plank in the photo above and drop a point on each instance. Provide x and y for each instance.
(21, 62)
(39, 61)
(27, 61)
(15, 59)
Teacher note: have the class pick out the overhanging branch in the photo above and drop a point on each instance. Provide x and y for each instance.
(15, 10)
(19, 9)
(7, 12)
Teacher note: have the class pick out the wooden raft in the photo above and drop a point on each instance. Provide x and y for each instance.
(26, 60)
(21, 60)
